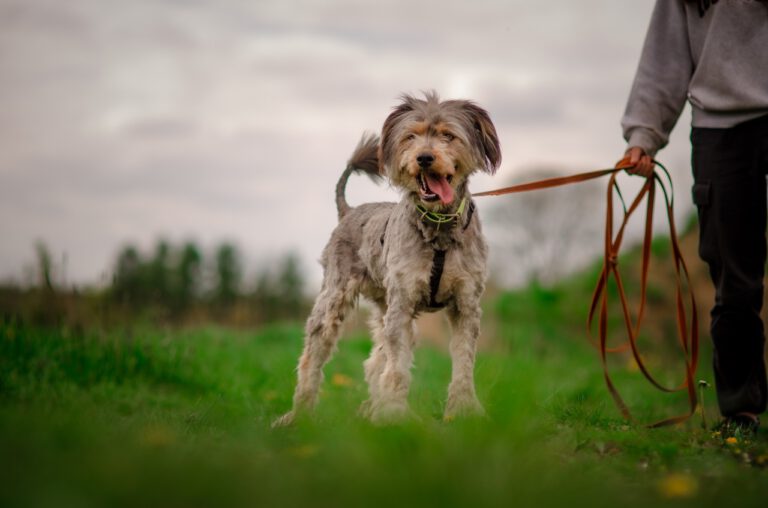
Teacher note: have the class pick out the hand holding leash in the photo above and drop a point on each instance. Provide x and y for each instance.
(641, 164)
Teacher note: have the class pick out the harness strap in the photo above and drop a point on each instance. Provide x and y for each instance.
(384, 232)
(469, 215)
(438, 263)
(687, 326)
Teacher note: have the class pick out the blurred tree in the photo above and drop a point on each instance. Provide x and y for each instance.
(264, 297)
(45, 266)
(228, 274)
(47, 305)
(543, 235)
(127, 283)
(290, 285)
(170, 279)
(159, 272)
(187, 279)
(279, 291)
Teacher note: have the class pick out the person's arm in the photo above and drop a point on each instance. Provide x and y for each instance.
(660, 87)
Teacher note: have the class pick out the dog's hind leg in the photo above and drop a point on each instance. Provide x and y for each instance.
(465, 321)
(322, 334)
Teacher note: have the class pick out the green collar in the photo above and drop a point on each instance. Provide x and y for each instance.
(442, 218)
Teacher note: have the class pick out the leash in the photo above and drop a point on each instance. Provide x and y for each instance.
(687, 326)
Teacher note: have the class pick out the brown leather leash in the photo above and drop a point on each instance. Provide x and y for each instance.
(687, 326)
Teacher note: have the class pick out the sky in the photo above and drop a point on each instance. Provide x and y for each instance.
(227, 120)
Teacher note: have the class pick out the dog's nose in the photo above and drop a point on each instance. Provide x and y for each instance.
(425, 160)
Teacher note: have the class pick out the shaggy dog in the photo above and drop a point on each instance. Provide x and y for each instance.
(422, 254)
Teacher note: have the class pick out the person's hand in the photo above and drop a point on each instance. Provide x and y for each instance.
(642, 163)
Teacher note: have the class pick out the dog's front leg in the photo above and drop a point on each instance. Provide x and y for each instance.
(391, 401)
(465, 320)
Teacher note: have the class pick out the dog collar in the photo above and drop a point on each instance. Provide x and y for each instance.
(442, 218)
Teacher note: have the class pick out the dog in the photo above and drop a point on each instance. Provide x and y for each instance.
(425, 253)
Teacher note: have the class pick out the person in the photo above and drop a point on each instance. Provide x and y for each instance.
(714, 55)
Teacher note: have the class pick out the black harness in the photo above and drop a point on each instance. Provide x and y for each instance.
(438, 263)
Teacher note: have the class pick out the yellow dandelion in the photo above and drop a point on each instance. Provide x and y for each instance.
(339, 379)
(731, 441)
(270, 395)
(678, 485)
(157, 436)
(304, 451)
(632, 365)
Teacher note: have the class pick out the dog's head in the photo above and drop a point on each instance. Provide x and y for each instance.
(429, 148)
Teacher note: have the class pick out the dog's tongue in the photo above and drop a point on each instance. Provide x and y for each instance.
(440, 186)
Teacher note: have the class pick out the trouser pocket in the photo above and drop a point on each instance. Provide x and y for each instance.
(701, 193)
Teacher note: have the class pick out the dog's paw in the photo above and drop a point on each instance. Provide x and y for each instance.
(390, 412)
(468, 407)
(284, 421)
(365, 409)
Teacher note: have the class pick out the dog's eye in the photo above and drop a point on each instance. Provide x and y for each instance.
(409, 137)
(448, 136)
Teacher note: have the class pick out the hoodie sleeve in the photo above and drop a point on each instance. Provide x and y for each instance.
(660, 87)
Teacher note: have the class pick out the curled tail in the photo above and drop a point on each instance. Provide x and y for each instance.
(365, 158)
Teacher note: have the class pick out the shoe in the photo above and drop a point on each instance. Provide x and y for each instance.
(740, 425)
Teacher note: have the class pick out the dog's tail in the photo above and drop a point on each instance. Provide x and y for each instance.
(364, 159)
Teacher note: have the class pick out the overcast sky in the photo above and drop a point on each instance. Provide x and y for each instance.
(123, 121)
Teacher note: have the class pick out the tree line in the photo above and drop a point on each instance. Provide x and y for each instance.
(182, 278)
(172, 282)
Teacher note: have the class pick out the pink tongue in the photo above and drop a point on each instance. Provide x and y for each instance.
(441, 187)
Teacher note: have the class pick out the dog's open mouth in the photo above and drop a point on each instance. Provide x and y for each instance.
(433, 187)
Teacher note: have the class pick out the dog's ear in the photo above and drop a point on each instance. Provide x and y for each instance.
(388, 145)
(486, 136)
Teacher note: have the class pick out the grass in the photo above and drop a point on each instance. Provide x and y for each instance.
(156, 417)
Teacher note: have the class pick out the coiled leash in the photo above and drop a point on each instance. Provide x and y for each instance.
(687, 326)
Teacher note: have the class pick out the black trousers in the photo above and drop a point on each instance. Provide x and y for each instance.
(729, 168)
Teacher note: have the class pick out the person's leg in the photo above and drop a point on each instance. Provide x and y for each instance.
(730, 193)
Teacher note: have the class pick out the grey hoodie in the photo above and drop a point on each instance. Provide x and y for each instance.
(719, 63)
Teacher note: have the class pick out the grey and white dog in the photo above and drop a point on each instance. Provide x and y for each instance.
(419, 255)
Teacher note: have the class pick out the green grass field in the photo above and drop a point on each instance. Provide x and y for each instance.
(166, 417)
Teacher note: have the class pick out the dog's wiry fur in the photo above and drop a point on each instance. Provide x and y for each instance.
(385, 251)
